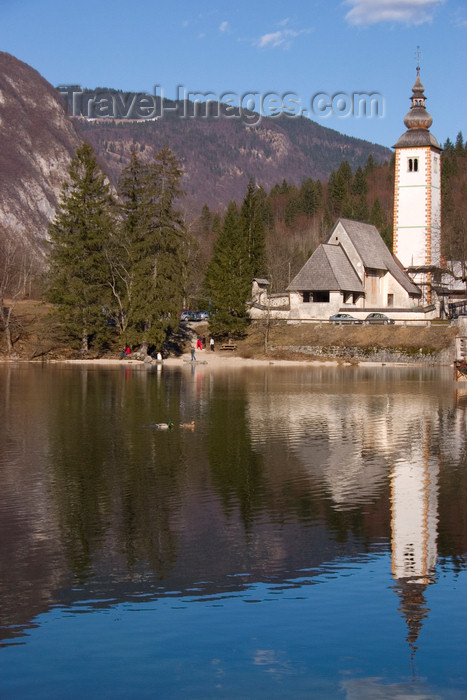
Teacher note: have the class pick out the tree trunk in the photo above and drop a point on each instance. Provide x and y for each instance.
(84, 342)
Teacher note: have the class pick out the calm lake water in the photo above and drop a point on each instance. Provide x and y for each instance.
(306, 539)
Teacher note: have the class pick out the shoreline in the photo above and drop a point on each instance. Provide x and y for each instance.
(214, 361)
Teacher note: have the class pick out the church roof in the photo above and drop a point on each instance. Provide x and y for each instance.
(374, 252)
(417, 137)
(328, 269)
(417, 120)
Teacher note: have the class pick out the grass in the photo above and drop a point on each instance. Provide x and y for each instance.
(36, 335)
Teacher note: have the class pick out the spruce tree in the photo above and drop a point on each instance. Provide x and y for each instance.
(154, 238)
(359, 183)
(376, 216)
(309, 197)
(253, 229)
(126, 243)
(79, 237)
(337, 191)
(228, 278)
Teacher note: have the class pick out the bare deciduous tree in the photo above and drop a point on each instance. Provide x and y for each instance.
(15, 275)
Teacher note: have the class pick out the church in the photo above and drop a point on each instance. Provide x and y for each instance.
(354, 272)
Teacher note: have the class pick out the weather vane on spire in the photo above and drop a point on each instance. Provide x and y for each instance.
(418, 55)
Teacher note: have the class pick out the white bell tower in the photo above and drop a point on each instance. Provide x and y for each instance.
(417, 195)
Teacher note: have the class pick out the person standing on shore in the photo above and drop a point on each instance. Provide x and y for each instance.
(211, 343)
(193, 358)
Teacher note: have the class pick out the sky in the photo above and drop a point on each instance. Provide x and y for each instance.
(315, 57)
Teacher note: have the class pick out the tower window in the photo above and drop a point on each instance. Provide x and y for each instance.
(413, 165)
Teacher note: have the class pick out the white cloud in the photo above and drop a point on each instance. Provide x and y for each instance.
(366, 12)
(460, 19)
(283, 38)
(224, 26)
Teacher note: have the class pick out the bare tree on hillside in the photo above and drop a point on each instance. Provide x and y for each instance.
(15, 276)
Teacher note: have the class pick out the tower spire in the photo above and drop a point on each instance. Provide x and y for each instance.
(418, 120)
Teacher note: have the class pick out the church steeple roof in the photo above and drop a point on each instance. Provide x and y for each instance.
(417, 120)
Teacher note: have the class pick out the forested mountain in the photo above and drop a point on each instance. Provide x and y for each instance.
(219, 155)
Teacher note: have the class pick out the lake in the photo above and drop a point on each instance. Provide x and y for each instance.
(305, 538)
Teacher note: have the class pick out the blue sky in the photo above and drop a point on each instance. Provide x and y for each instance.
(308, 48)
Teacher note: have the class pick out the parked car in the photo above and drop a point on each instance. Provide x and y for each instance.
(187, 315)
(381, 319)
(202, 315)
(344, 319)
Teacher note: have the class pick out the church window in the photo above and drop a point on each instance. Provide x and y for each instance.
(435, 164)
(321, 297)
(306, 297)
(413, 165)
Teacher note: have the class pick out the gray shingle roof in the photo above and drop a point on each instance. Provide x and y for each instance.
(328, 269)
(375, 253)
(417, 137)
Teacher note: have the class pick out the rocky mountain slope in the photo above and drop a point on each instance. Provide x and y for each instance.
(218, 155)
(37, 141)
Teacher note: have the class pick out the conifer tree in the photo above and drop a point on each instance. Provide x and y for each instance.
(228, 278)
(359, 184)
(79, 237)
(370, 165)
(124, 251)
(337, 190)
(459, 147)
(253, 229)
(309, 197)
(152, 241)
(376, 216)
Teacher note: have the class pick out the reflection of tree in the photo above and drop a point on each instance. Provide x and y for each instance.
(112, 477)
(77, 456)
(236, 468)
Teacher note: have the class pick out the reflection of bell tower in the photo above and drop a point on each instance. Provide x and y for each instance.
(414, 499)
(417, 194)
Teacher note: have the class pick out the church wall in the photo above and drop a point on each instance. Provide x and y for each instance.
(340, 236)
(411, 206)
(417, 207)
(400, 297)
(300, 310)
(435, 208)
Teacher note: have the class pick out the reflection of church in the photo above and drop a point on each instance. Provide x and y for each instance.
(414, 506)
(349, 445)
